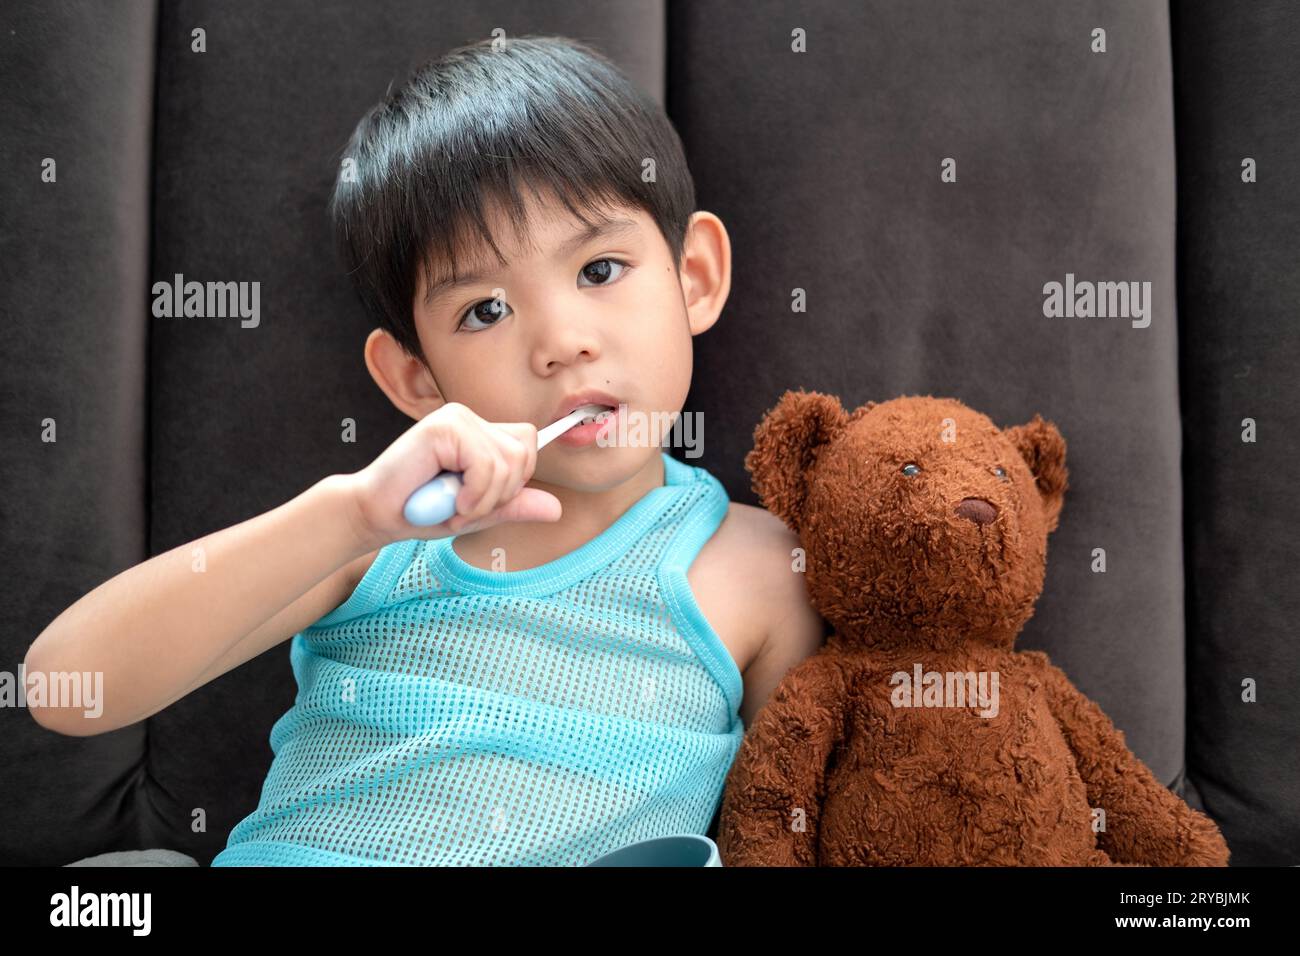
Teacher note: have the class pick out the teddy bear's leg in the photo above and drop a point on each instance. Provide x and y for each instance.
(1145, 822)
(1102, 858)
(772, 800)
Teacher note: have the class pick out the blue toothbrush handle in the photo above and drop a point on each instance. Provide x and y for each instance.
(434, 501)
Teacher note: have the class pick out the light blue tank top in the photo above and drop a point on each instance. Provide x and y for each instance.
(451, 715)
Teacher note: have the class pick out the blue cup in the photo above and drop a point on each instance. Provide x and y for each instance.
(686, 849)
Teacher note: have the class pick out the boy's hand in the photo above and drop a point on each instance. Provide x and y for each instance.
(496, 459)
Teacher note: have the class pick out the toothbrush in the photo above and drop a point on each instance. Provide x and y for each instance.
(435, 500)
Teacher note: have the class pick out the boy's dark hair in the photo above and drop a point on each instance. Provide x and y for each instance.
(467, 129)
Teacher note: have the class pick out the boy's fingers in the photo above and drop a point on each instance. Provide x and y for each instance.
(513, 459)
(477, 475)
(501, 456)
(525, 432)
(521, 453)
(498, 473)
(531, 504)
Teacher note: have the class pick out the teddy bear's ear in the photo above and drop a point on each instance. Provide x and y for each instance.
(785, 446)
(1040, 444)
(860, 411)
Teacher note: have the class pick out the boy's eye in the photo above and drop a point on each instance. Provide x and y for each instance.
(596, 272)
(495, 310)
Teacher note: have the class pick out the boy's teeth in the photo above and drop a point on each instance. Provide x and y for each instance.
(598, 416)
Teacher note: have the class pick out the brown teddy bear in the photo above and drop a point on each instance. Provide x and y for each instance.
(917, 735)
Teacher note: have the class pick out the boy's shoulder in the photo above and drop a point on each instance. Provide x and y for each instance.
(749, 528)
(766, 548)
(753, 559)
(753, 555)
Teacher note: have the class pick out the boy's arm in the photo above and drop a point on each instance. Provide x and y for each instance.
(302, 613)
(170, 624)
(797, 632)
(158, 630)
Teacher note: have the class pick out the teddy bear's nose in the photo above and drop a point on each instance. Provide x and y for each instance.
(977, 510)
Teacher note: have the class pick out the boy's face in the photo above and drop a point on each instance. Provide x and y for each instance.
(607, 312)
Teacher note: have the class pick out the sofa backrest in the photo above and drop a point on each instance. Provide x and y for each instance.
(827, 167)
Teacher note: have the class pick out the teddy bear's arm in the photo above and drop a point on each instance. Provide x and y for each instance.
(1145, 822)
(774, 790)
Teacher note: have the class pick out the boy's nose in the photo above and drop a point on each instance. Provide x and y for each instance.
(977, 510)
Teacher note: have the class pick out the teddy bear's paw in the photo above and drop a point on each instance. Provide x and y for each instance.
(1206, 845)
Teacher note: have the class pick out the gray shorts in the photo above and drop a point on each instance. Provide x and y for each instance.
(138, 858)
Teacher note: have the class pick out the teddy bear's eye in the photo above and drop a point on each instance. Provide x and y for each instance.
(999, 472)
(911, 469)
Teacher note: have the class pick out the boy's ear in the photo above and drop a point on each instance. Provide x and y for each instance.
(786, 443)
(1040, 444)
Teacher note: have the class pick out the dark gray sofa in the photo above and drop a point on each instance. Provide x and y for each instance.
(825, 165)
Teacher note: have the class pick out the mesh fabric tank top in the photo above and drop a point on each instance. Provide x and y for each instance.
(452, 715)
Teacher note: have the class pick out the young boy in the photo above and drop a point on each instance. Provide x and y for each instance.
(566, 666)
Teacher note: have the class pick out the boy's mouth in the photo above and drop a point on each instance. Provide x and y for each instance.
(599, 417)
(591, 428)
(576, 400)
